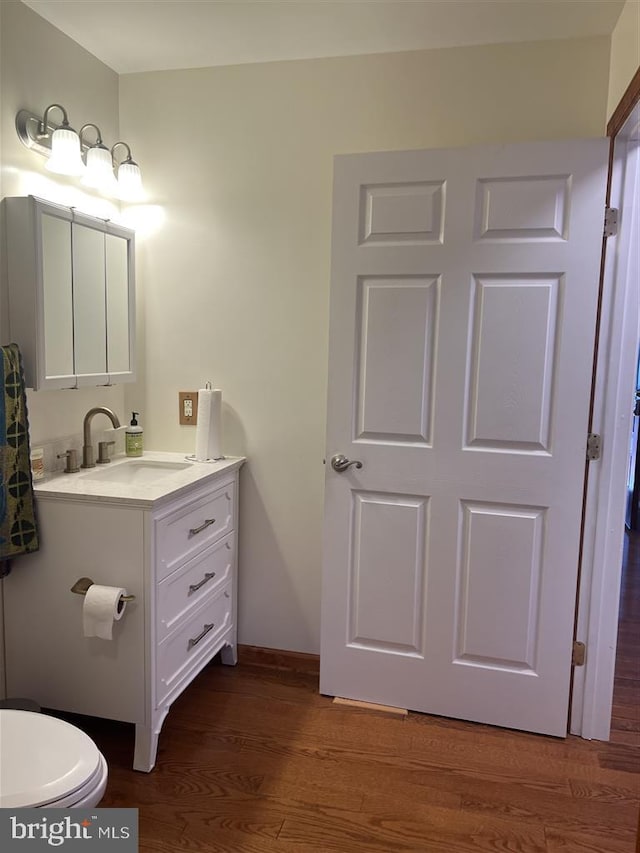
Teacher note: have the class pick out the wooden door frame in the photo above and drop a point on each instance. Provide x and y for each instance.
(634, 510)
(605, 502)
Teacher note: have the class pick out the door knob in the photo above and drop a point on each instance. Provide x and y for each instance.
(340, 463)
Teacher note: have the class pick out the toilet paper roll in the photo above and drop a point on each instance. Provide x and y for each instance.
(209, 426)
(102, 607)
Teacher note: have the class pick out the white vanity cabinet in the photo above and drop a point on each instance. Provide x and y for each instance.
(71, 291)
(177, 555)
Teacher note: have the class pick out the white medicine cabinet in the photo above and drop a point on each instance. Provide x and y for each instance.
(71, 291)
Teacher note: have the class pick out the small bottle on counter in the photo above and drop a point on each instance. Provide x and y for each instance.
(37, 463)
(133, 437)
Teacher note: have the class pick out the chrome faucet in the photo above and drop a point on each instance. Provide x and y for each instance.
(87, 448)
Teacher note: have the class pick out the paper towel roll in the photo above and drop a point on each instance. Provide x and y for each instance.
(102, 607)
(202, 427)
(209, 426)
(214, 445)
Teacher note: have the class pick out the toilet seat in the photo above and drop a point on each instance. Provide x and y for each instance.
(47, 762)
(86, 796)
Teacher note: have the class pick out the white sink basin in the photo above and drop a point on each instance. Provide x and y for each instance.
(136, 472)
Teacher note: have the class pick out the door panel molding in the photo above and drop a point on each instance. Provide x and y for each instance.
(500, 575)
(511, 387)
(386, 608)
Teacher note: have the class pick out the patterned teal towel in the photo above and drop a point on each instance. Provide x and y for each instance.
(18, 528)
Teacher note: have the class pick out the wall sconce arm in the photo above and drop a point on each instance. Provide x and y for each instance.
(98, 143)
(43, 129)
(128, 158)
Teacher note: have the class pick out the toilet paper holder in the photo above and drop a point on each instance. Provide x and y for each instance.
(81, 587)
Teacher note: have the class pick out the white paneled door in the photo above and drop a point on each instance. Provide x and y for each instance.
(463, 309)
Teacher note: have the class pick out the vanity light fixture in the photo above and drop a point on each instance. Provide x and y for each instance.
(99, 171)
(65, 156)
(129, 177)
(64, 148)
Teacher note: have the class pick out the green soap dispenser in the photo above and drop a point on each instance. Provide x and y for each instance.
(133, 437)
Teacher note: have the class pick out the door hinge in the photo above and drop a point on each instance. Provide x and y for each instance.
(594, 445)
(610, 221)
(578, 654)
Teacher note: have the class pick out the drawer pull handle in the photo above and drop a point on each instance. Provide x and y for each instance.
(195, 640)
(206, 523)
(194, 587)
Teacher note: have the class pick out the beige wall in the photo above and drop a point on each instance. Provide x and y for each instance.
(625, 53)
(236, 280)
(40, 66)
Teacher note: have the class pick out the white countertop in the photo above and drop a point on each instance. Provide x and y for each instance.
(87, 485)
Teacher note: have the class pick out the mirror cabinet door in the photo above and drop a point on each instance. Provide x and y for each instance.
(57, 298)
(89, 311)
(70, 294)
(117, 304)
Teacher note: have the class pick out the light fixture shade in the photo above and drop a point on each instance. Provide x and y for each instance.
(129, 181)
(65, 156)
(99, 171)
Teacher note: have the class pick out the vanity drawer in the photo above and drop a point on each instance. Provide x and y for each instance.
(187, 587)
(192, 528)
(183, 649)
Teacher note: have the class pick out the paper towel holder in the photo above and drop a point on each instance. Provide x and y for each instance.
(81, 587)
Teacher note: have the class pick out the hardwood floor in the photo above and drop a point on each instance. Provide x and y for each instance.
(253, 760)
(625, 719)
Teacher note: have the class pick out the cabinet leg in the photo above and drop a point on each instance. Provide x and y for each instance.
(229, 654)
(144, 756)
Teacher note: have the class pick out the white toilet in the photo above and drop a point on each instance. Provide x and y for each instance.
(46, 762)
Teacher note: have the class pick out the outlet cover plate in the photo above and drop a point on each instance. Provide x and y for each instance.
(188, 407)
